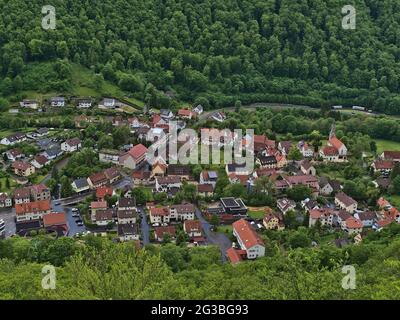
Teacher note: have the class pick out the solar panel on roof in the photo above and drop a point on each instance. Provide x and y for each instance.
(230, 202)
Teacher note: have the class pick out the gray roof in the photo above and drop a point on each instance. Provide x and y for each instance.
(81, 183)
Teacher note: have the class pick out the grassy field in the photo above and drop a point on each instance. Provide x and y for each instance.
(256, 214)
(3, 184)
(386, 145)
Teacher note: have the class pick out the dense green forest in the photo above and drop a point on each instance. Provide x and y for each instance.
(216, 52)
(96, 268)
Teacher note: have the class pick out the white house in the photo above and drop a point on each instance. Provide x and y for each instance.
(128, 232)
(133, 157)
(71, 145)
(199, 109)
(32, 104)
(57, 102)
(248, 239)
(165, 184)
(344, 202)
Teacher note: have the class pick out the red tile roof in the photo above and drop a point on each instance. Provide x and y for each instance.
(390, 155)
(163, 211)
(98, 177)
(36, 206)
(104, 191)
(54, 219)
(205, 188)
(19, 165)
(98, 205)
(161, 231)
(184, 112)
(353, 223)
(246, 233)
(384, 165)
(233, 255)
(192, 226)
(330, 151)
(41, 159)
(335, 142)
(138, 151)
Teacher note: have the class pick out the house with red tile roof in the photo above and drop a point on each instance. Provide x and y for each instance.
(23, 169)
(325, 216)
(352, 226)
(96, 206)
(248, 239)
(185, 114)
(329, 153)
(193, 228)
(14, 154)
(102, 192)
(32, 210)
(205, 190)
(391, 155)
(161, 232)
(384, 167)
(134, 156)
(159, 215)
(97, 180)
(56, 221)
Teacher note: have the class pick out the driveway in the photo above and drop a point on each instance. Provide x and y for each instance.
(214, 238)
(73, 227)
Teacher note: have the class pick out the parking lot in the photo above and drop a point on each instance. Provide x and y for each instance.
(8, 215)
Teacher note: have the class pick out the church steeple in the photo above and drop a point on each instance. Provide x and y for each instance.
(333, 131)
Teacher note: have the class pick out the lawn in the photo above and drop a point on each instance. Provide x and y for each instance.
(225, 229)
(5, 133)
(256, 214)
(386, 145)
(3, 184)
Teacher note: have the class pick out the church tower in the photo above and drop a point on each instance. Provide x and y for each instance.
(333, 131)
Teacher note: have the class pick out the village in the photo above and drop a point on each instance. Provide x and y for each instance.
(130, 199)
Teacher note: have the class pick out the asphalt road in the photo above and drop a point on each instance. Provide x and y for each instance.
(144, 226)
(214, 238)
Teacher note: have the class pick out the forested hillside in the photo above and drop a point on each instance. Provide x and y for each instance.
(95, 268)
(221, 50)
